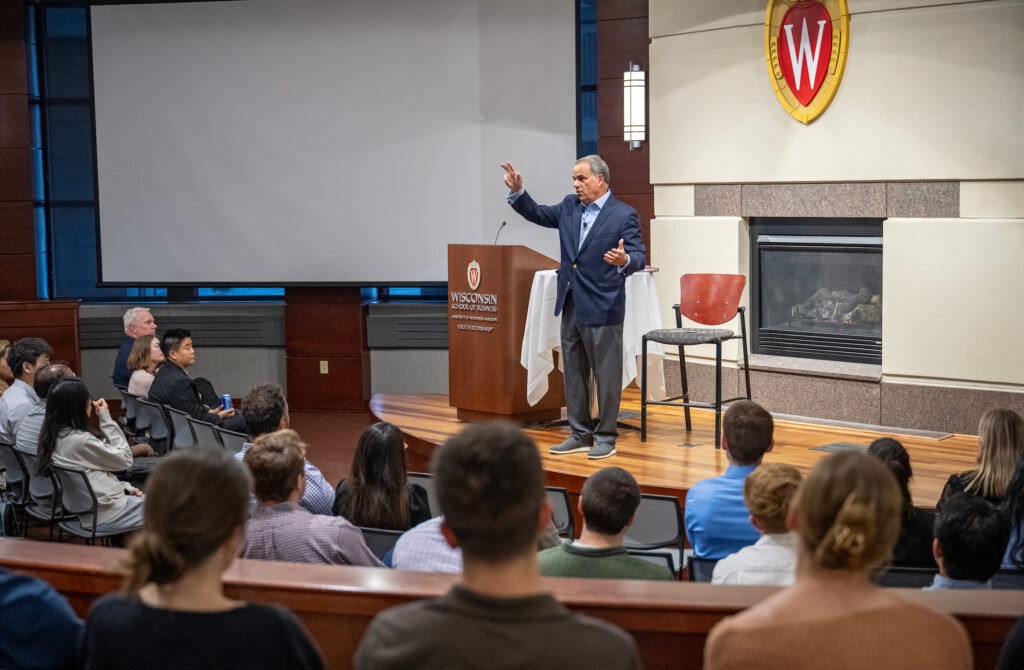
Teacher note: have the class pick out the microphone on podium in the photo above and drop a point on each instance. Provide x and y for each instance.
(500, 228)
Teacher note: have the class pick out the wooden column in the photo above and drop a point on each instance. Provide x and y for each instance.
(326, 327)
(17, 236)
(622, 38)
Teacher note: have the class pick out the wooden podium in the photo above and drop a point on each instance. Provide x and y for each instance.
(488, 296)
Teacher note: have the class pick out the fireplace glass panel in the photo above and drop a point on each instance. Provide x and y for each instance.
(820, 297)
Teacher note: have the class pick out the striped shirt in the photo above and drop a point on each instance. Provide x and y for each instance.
(287, 532)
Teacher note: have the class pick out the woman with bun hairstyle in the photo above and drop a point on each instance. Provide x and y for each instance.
(914, 546)
(1000, 447)
(847, 513)
(173, 612)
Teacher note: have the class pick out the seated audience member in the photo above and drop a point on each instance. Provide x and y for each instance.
(423, 548)
(39, 630)
(970, 538)
(1000, 446)
(282, 530)
(847, 515)
(914, 546)
(27, 438)
(377, 494)
(1013, 508)
(490, 485)
(608, 504)
(772, 559)
(65, 440)
(717, 521)
(25, 357)
(265, 410)
(1012, 655)
(172, 386)
(138, 321)
(143, 361)
(173, 612)
(6, 376)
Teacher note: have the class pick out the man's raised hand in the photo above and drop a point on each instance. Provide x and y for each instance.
(513, 180)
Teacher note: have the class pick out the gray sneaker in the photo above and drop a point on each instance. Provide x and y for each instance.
(601, 450)
(572, 445)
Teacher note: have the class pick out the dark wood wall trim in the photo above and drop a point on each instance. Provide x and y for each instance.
(17, 237)
(622, 38)
(326, 325)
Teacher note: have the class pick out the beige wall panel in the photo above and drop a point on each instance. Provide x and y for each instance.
(698, 244)
(952, 302)
(669, 17)
(991, 200)
(674, 200)
(930, 93)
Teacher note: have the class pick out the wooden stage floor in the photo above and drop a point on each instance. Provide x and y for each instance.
(663, 464)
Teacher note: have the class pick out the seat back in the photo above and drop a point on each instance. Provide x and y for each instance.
(77, 496)
(701, 569)
(131, 408)
(231, 440)
(710, 299)
(9, 463)
(183, 437)
(426, 480)
(379, 540)
(658, 523)
(661, 558)
(1008, 578)
(158, 425)
(203, 432)
(39, 486)
(908, 578)
(561, 510)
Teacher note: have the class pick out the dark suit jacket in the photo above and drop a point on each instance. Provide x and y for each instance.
(172, 386)
(599, 289)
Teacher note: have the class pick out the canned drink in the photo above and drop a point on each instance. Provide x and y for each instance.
(225, 401)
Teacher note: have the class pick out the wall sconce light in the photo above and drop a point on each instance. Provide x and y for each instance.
(634, 106)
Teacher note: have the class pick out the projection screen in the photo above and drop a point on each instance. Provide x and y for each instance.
(339, 141)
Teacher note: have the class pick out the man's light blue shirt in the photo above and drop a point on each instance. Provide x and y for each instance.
(717, 519)
(939, 583)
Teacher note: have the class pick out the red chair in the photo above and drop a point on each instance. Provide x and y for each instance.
(710, 300)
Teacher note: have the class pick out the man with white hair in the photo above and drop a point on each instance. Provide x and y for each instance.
(138, 321)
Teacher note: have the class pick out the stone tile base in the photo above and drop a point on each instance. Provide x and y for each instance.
(910, 406)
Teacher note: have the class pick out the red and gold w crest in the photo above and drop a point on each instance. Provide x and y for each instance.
(805, 47)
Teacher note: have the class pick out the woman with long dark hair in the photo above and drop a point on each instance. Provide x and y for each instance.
(377, 494)
(914, 546)
(65, 440)
(173, 612)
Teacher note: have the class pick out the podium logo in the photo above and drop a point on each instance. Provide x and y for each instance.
(473, 275)
(805, 48)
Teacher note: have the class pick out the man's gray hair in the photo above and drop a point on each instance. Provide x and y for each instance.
(132, 315)
(597, 167)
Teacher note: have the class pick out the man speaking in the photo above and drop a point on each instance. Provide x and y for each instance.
(601, 245)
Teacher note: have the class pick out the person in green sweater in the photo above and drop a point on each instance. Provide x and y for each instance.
(608, 505)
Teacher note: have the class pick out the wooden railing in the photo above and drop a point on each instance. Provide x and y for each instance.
(670, 621)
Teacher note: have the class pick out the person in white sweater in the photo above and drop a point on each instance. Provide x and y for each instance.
(66, 441)
(767, 493)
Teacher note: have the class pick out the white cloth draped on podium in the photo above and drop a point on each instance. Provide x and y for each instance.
(543, 338)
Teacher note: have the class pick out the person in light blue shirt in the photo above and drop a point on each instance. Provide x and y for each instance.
(970, 537)
(717, 519)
